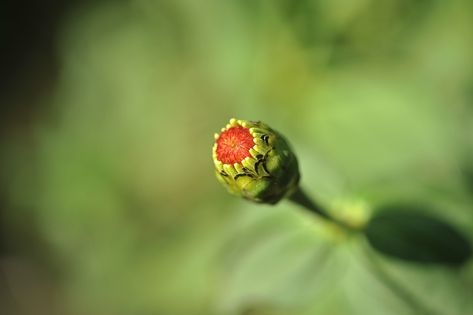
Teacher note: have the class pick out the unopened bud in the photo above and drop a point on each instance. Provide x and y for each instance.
(255, 162)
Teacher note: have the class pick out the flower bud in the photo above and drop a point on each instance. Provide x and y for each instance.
(255, 162)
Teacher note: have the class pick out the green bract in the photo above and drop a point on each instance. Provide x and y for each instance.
(266, 172)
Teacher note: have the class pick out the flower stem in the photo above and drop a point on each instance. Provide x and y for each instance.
(301, 198)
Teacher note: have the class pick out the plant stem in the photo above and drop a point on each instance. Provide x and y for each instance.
(300, 197)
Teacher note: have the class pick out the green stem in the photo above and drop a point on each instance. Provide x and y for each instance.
(300, 197)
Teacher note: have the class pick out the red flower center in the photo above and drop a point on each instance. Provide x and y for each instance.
(234, 144)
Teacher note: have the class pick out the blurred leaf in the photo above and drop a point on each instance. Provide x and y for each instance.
(406, 232)
(113, 173)
(468, 178)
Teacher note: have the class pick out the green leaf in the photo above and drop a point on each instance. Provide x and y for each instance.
(407, 232)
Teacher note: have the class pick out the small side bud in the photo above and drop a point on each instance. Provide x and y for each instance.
(255, 162)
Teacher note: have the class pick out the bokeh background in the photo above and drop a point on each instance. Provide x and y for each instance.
(109, 203)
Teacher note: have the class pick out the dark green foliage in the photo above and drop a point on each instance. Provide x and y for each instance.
(409, 233)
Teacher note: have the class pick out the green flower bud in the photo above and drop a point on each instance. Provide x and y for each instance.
(255, 162)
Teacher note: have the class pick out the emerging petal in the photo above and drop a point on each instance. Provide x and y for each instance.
(234, 145)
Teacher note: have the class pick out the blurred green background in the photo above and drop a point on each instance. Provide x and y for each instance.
(109, 203)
